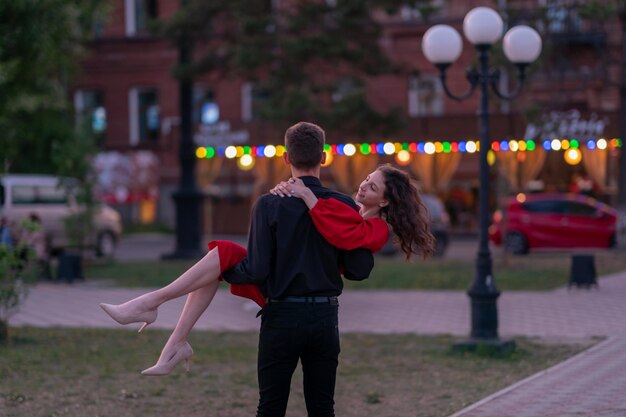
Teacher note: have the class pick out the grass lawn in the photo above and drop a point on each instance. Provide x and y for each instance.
(537, 271)
(77, 373)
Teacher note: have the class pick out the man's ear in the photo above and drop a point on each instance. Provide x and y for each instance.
(286, 159)
(323, 158)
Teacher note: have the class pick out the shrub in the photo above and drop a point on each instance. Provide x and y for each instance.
(13, 261)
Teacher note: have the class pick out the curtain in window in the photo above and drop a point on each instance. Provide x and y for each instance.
(435, 171)
(268, 172)
(349, 171)
(519, 168)
(595, 162)
(208, 171)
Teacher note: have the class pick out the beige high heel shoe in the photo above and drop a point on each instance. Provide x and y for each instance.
(121, 314)
(183, 353)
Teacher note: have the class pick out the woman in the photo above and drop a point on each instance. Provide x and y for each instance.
(387, 198)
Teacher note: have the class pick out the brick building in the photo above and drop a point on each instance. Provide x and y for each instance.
(127, 89)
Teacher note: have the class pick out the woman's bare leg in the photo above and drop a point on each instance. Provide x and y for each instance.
(197, 302)
(204, 272)
(144, 308)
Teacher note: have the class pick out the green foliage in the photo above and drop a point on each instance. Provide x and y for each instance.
(598, 10)
(73, 157)
(295, 56)
(41, 42)
(13, 261)
(11, 289)
(425, 8)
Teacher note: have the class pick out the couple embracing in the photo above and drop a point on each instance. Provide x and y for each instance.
(303, 238)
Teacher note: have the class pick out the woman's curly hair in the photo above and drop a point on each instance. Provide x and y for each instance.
(406, 213)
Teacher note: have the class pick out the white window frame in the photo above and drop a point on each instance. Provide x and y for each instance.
(133, 113)
(246, 102)
(129, 13)
(415, 97)
(79, 103)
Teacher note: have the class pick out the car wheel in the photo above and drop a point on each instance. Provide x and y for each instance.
(106, 245)
(613, 241)
(441, 244)
(515, 243)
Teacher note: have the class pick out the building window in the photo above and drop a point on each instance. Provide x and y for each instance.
(345, 88)
(246, 102)
(138, 14)
(205, 109)
(253, 98)
(425, 96)
(421, 11)
(144, 115)
(90, 111)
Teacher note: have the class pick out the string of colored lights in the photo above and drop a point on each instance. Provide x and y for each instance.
(391, 148)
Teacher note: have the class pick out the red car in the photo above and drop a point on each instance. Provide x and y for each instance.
(545, 220)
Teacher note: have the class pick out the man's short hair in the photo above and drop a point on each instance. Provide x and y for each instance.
(305, 145)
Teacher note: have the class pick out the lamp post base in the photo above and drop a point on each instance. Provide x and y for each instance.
(484, 312)
(496, 345)
(188, 224)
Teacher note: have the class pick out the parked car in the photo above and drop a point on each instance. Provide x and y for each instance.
(552, 220)
(439, 226)
(53, 199)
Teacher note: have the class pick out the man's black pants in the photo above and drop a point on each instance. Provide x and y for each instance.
(292, 331)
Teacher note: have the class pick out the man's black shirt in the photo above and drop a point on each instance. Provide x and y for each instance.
(287, 256)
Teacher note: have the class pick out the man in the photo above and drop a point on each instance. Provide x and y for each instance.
(299, 272)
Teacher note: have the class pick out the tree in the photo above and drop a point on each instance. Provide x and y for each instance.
(307, 60)
(41, 42)
(73, 158)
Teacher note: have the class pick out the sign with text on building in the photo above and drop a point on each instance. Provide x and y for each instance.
(566, 124)
(219, 134)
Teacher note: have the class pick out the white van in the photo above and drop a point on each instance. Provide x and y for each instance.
(53, 200)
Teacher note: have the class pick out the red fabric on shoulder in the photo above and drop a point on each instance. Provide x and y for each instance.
(230, 255)
(343, 227)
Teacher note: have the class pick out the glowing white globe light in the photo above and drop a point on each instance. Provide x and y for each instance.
(482, 26)
(522, 44)
(442, 44)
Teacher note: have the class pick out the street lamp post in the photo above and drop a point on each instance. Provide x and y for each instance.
(187, 197)
(442, 45)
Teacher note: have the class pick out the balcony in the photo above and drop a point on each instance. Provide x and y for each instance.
(566, 25)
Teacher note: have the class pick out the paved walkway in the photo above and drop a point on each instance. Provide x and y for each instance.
(590, 384)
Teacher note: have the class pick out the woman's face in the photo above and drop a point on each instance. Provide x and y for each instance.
(372, 190)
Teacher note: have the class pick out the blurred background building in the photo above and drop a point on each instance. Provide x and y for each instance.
(562, 134)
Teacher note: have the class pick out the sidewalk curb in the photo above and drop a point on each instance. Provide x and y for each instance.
(531, 378)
